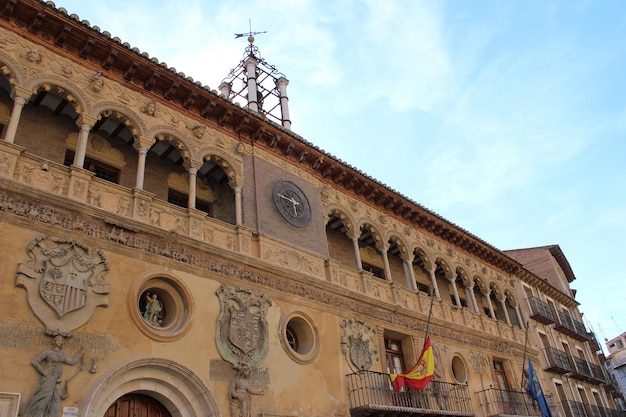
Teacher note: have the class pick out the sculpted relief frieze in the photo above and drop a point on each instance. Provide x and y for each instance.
(65, 282)
(161, 246)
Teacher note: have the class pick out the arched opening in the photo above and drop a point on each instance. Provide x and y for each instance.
(445, 289)
(214, 182)
(371, 257)
(137, 404)
(340, 246)
(396, 264)
(47, 120)
(422, 276)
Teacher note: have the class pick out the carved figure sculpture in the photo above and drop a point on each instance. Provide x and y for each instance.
(239, 393)
(152, 314)
(45, 400)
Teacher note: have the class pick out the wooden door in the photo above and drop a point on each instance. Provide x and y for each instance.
(137, 405)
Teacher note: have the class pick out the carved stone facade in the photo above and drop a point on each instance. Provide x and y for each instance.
(138, 222)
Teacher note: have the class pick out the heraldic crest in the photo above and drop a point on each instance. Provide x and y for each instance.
(359, 344)
(242, 334)
(65, 282)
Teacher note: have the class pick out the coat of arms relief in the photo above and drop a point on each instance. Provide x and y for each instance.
(359, 344)
(65, 282)
(243, 340)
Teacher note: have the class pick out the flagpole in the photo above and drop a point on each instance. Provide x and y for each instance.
(524, 357)
(430, 314)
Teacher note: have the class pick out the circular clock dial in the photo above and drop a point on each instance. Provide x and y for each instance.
(291, 203)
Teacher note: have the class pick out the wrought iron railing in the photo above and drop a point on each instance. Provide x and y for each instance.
(556, 361)
(373, 390)
(540, 310)
(496, 402)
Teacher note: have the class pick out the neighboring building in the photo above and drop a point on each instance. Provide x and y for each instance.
(568, 351)
(207, 261)
(616, 365)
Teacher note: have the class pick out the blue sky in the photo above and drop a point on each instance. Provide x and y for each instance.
(507, 118)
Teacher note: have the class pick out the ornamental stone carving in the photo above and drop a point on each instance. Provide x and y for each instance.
(242, 330)
(359, 344)
(65, 282)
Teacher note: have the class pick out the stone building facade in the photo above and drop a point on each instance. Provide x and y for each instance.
(169, 252)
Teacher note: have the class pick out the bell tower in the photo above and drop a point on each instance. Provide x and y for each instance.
(257, 85)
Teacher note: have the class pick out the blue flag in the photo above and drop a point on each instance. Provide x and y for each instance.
(536, 393)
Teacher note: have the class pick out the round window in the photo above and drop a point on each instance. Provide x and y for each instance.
(459, 370)
(161, 306)
(299, 337)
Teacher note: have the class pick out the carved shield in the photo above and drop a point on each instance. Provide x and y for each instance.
(64, 287)
(244, 327)
(242, 332)
(65, 281)
(360, 354)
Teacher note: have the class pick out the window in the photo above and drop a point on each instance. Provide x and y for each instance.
(100, 169)
(422, 288)
(376, 271)
(182, 200)
(394, 356)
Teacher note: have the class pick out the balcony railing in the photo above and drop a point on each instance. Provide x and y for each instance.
(596, 373)
(581, 369)
(540, 310)
(556, 361)
(567, 325)
(578, 409)
(497, 402)
(371, 393)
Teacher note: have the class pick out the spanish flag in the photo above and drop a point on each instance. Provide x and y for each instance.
(420, 374)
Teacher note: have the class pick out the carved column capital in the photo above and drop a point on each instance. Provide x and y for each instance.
(143, 143)
(86, 119)
(192, 163)
(21, 92)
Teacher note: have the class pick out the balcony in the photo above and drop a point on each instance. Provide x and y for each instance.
(556, 361)
(574, 409)
(580, 369)
(371, 395)
(540, 310)
(497, 402)
(568, 326)
(596, 373)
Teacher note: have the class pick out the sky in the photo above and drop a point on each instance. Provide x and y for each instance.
(506, 118)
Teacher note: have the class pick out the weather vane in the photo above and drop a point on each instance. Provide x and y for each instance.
(250, 34)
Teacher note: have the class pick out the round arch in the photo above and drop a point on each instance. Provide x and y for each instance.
(426, 258)
(173, 136)
(174, 386)
(339, 212)
(234, 170)
(66, 89)
(125, 114)
(14, 73)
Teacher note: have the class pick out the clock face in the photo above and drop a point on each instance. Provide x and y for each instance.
(291, 203)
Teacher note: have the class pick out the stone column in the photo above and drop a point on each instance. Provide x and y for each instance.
(142, 146)
(457, 300)
(20, 96)
(506, 313)
(238, 207)
(409, 273)
(433, 279)
(282, 83)
(251, 65)
(473, 298)
(357, 252)
(193, 174)
(383, 251)
(85, 122)
(487, 295)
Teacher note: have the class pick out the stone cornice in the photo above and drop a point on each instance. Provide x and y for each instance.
(53, 28)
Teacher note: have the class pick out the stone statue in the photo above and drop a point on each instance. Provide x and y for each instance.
(45, 400)
(152, 314)
(240, 391)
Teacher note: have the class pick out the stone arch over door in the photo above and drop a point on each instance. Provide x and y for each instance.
(177, 388)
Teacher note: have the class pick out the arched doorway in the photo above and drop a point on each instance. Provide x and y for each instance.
(137, 405)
